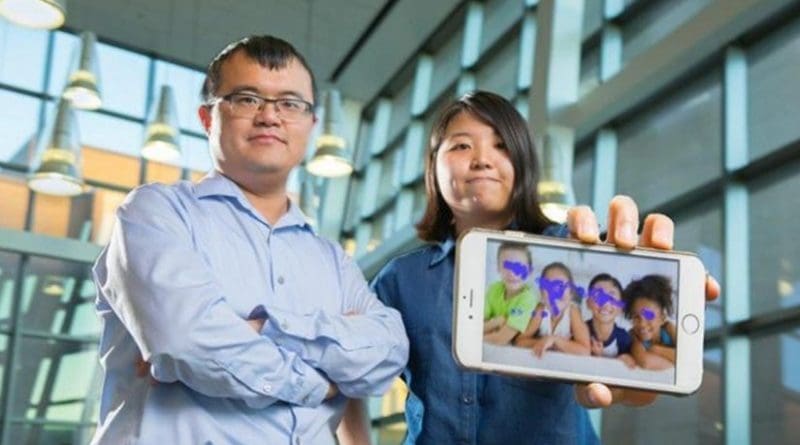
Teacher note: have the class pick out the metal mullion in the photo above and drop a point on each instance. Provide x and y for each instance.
(736, 378)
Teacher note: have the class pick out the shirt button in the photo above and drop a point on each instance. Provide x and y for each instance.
(280, 279)
(467, 400)
(285, 325)
(267, 388)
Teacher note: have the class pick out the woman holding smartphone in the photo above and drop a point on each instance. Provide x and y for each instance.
(482, 171)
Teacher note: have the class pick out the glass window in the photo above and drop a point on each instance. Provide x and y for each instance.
(52, 381)
(22, 56)
(401, 111)
(699, 230)
(390, 173)
(51, 215)
(186, 84)
(162, 173)
(446, 65)
(499, 16)
(111, 168)
(52, 285)
(19, 119)
(775, 400)
(673, 147)
(583, 175)
(362, 150)
(123, 77)
(123, 74)
(14, 203)
(774, 256)
(771, 98)
(696, 419)
(50, 433)
(103, 218)
(110, 133)
(592, 18)
(654, 22)
(9, 263)
(64, 45)
(590, 69)
(195, 153)
(499, 73)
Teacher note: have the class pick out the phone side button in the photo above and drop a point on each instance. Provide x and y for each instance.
(690, 324)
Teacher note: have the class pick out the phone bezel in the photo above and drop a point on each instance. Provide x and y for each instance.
(468, 311)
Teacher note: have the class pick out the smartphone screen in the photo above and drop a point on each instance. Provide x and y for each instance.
(556, 298)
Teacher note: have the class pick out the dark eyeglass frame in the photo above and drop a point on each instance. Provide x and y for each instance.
(307, 108)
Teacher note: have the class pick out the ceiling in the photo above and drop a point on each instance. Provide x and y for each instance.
(324, 31)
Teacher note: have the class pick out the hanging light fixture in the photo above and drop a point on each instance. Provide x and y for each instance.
(161, 142)
(554, 188)
(83, 84)
(41, 14)
(331, 158)
(59, 170)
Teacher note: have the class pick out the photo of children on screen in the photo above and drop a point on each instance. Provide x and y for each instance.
(556, 324)
(581, 312)
(509, 301)
(648, 304)
(607, 338)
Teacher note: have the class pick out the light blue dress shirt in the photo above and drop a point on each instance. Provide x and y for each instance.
(186, 266)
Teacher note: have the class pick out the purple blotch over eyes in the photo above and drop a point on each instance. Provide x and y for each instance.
(601, 297)
(555, 291)
(519, 269)
(648, 314)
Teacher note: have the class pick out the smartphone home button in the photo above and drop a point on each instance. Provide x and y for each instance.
(690, 323)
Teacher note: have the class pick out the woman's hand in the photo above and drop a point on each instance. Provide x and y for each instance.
(623, 225)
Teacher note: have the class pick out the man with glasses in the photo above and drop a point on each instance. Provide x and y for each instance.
(252, 328)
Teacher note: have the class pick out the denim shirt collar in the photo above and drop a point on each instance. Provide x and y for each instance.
(216, 184)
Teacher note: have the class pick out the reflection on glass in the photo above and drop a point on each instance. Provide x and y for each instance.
(774, 256)
(695, 419)
(775, 383)
(186, 84)
(19, 117)
(22, 56)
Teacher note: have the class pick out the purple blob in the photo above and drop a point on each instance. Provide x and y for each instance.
(601, 298)
(556, 290)
(519, 269)
(647, 314)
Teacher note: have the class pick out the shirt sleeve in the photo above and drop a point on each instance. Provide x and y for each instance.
(165, 295)
(362, 350)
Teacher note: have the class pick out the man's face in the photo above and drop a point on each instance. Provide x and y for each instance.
(248, 148)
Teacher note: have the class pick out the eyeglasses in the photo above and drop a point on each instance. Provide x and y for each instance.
(247, 105)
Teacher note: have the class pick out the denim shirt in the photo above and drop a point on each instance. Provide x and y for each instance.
(449, 405)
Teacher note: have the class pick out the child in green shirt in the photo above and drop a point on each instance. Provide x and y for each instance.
(510, 301)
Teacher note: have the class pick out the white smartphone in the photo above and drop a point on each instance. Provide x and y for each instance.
(525, 304)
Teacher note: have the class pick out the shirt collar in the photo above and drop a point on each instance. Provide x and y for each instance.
(217, 184)
(444, 248)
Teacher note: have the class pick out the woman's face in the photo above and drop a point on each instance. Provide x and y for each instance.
(648, 316)
(556, 290)
(474, 171)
